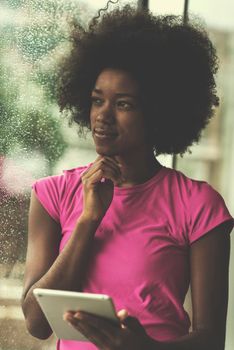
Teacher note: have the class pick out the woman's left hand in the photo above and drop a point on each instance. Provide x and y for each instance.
(108, 336)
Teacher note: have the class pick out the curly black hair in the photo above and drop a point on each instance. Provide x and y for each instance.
(174, 64)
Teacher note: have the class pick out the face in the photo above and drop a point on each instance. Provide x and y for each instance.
(117, 121)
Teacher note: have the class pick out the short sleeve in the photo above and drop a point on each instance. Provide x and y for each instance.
(206, 209)
(48, 191)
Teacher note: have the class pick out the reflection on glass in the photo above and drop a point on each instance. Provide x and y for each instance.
(34, 140)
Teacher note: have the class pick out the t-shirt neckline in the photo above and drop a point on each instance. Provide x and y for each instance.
(143, 186)
(133, 189)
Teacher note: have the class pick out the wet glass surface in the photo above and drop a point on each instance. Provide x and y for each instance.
(35, 141)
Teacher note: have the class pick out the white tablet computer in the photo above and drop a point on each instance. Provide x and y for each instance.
(54, 303)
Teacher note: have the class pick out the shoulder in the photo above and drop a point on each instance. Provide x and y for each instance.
(199, 205)
(74, 174)
(190, 188)
(53, 191)
(58, 182)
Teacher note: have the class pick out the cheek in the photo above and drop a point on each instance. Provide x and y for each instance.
(135, 128)
(92, 117)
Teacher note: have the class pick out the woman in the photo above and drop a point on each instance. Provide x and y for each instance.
(125, 225)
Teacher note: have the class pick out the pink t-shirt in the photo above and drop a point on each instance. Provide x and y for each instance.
(140, 252)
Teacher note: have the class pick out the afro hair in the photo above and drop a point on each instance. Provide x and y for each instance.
(174, 63)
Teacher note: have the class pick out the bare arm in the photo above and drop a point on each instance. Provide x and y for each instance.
(209, 261)
(46, 268)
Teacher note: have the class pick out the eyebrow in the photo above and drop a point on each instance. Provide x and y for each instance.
(119, 94)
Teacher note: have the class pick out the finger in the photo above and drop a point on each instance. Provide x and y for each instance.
(110, 158)
(109, 163)
(94, 335)
(100, 174)
(133, 324)
(122, 314)
(102, 164)
(114, 161)
(107, 327)
(90, 166)
(114, 164)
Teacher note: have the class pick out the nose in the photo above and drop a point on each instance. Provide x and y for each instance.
(106, 115)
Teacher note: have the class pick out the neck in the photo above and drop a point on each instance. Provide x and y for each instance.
(138, 168)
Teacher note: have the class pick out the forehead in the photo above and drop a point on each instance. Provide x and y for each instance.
(116, 79)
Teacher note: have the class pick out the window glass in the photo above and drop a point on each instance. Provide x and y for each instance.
(34, 140)
(215, 157)
(174, 7)
(212, 160)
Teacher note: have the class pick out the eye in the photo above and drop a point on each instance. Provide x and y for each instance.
(125, 105)
(96, 101)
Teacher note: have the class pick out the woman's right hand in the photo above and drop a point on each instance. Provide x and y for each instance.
(97, 195)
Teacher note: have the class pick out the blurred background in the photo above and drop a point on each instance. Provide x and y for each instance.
(35, 141)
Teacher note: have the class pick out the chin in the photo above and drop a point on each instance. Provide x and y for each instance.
(105, 151)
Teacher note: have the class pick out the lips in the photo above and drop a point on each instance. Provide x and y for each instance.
(104, 132)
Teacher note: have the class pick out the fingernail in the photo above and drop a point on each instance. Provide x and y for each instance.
(67, 318)
(78, 316)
